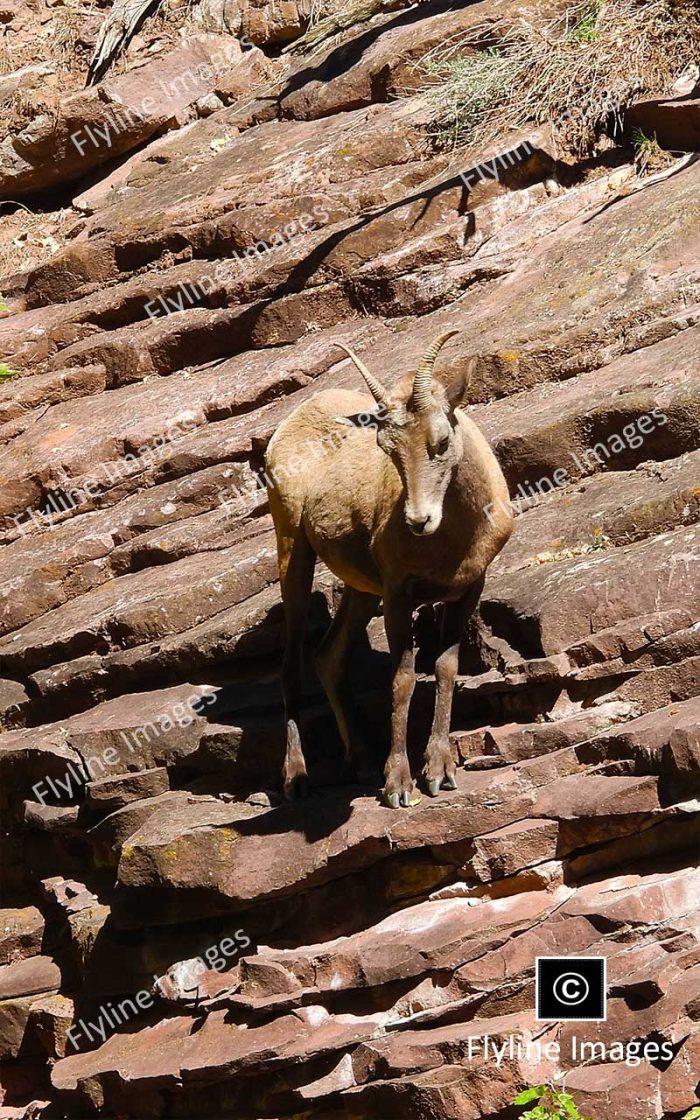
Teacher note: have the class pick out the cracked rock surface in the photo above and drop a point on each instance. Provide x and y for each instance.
(336, 959)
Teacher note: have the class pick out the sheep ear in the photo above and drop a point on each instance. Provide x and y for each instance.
(454, 395)
(456, 390)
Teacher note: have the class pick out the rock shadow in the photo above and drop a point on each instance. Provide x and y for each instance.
(247, 761)
(346, 55)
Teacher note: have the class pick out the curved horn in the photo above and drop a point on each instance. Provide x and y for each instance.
(373, 384)
(422, 399)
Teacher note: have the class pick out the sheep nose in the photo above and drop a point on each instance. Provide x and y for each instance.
(417, 524)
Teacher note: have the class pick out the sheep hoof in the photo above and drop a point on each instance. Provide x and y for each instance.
(392, 800)
(434, 787)
(450, 782)
(405, 799)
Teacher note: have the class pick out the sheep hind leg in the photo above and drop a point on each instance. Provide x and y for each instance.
(440, 769)
(354, 612)
(297, 562)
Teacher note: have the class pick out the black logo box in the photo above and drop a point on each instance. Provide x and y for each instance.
(570, 988)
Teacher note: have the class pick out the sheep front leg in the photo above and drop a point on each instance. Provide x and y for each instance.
(440, 770)
(398, 620)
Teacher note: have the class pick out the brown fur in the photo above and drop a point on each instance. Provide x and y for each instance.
(347, 494)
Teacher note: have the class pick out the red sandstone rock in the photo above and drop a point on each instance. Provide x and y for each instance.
(99, 124)
(21, 932)
(51, 1018)
(513, 847)
(666, 739)
(26, 977)
(378, 945)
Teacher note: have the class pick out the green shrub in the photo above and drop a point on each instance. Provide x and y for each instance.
(552, 1104)
(6, 374)
(586, 30)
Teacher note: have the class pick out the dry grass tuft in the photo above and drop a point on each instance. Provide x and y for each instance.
(67, 50)
(55, 41)
(649, 156)
(578, 71)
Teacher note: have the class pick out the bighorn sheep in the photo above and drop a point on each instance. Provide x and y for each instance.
(394, 502)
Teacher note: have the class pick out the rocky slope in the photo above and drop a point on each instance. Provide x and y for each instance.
(218, 243)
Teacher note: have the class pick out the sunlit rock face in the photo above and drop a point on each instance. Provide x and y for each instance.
(175, 940)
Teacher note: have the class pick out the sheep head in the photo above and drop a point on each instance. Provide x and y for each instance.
(417, 429)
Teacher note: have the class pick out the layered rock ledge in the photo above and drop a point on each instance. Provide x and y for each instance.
(174, 940)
